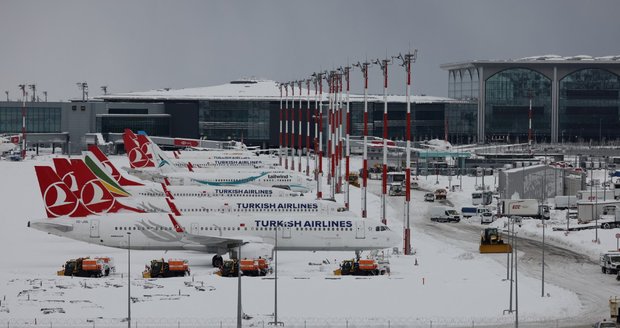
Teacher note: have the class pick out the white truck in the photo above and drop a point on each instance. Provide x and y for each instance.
(610, 262)
(607, 212)
(524, 207)
(565, 202)
(444, 214)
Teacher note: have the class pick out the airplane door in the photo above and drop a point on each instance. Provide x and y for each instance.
(194, 228)
(94, 228)
(360, 231)
(286, 232)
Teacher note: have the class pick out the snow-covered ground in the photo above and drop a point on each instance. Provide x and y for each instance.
(451, 284)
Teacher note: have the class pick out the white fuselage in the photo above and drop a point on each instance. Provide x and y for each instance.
(266, 178)
(203, 191)
(213, 233)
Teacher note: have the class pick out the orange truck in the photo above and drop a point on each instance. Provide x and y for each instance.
(254, 267)
(162, 269)
(87, 267)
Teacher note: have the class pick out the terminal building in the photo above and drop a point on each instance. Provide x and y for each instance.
(573, 99)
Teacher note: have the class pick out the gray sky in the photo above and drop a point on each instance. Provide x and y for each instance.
(140, 45)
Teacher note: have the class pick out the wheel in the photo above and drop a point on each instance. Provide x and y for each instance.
(606, 225)
(604, 270)
(217, 261)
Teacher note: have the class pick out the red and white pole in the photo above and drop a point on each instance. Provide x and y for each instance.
(293, 126)
(529, 132)
(347, 151)
(299, 117)
(384, 66)
(308, 129)
(407, 61)
(319, 191)
(280, 136)
(23, 152)
(339, 136)
(364, 68)
(286, 126)
(333, 140)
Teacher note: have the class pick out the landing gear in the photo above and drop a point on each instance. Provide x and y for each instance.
(217, 261)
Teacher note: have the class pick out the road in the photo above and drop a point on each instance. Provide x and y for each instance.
(563, 267)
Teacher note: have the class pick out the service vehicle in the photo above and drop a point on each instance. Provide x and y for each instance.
(441, 194)
(607, 213)
(85, 267)
(254, 267)
(444, 214)
(524, 207)
(491, 242)
(565, 202)
(229, 268)
(164, 269)
(481, 197)
(610, 261)
(429, 197)
(362, 267)
(354, 179)
(605, 324)
(485, 217)
(473, 211)
(396, 189)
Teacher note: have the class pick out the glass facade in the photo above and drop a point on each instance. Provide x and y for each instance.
(462, 122)
(155, 125)
(589, 106)
(463, 84)
(235, 120)
(507, 105)
(38, 119)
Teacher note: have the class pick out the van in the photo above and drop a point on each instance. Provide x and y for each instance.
(444, 214)
(429, 197)
(473, 211)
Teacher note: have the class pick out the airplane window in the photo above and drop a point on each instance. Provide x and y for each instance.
(115, 228)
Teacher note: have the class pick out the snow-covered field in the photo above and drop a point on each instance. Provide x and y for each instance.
(451, 284)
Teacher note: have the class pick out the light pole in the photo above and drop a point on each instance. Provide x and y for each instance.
(128, 279)
(542, 219)
(239, 311)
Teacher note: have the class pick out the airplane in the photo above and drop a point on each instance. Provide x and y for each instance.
(8, 143)
(252, 235)
(101, 166)
(265, 177)
(213, 159)
(77, 176)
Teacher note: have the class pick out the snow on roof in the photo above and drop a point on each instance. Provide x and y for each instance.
(251, 90)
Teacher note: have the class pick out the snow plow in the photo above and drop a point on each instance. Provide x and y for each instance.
(163, 269)
(354, 179)
(491, 242)
(361, 267)
(249, 267)
(87, 267)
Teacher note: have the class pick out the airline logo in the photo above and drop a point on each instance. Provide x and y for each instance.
(278, 176)
(57, 201)
(243, 192)
(137, 158)
(185, 142)
(162, 161)
(279, 206)
(71, 182)
(95, 199)
(303, 224)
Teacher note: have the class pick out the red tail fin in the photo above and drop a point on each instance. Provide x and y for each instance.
(177, 226)
(144, 144)
(176, 154)
(64, 170)
(94, 195)
(190, 167)
(58, 199)
(113, 171)
(137, 159)
(166, 191)
(173, 207)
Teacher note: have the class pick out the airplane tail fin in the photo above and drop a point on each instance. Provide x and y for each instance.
(58, 198)
(166, 191)
(94, 194)
(160, 159)
(137, 158)
(64, 170)
(173, 207)
(100, 171)
(116, 174)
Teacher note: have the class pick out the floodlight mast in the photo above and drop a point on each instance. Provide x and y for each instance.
(334, 90)
(285, 125)
(328, 79)
(337, 130)
(22, 87)
(292, 125)
(33, 87)
(340, 131)
(280, 135)
(308, 129)
(319, 80)
(347, 71)
(384, 67)
(299, 117)
(364, 68)
(406, 62)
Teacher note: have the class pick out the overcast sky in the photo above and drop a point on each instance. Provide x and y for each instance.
(142, 45)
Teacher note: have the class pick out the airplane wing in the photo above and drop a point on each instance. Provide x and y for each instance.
(228, 242)
(50, 225)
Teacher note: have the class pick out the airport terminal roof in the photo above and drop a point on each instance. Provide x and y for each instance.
(543, 60)
(251, 89)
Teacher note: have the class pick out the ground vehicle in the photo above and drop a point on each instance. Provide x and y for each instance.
(396, 189)
(565, 202)
(254, 267)
(524, 207)
(361, 267)
(229, 268)
(473, 211)
(86, 267)
(481, 197)
(440, 194)
(610, 261)
(354, 179)
(444, 214)
(607, 212)
(162, 269)
(605, 324)
(485, 217)
(491, 242)
(429, 197)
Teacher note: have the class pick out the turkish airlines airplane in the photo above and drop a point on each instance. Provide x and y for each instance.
(77, 176)
(212, 159)
(252, 235)
(226, 177)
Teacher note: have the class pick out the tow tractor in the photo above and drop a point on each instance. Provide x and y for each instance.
(162, 269)
(87, 267)
(491, 242)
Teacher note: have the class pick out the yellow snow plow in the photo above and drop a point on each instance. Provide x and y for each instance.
(491, 242)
